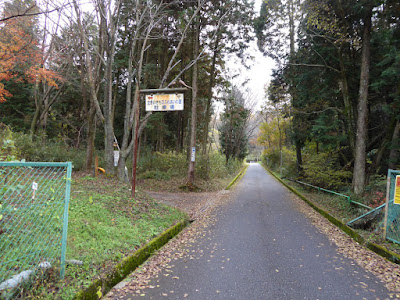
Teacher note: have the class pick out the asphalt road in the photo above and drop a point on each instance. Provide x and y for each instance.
(263, 247)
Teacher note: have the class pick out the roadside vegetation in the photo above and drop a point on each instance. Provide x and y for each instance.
(331, 113)
(338, 206)
(71, 83)
(168, 172)
(105, 223)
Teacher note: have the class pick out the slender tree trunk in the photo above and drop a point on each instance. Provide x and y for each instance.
(394, 150)
(299, 158)
(108, 118)
(178, 148)
(210, 93)
(348, 106)
(298, 142)
(125, 149)
(90, 137)
(395, 145)
(228, 138)
(38, 108)
(45, 114)
(280, 145)
(291, 26)
(194, 102)
(359, 173)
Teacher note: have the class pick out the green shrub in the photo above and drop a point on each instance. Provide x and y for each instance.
(163, 166)
(272, 158)
(48, 150)
(169, 163)
(8, 150)
(375, 191)
(214, 166)
(323, 170)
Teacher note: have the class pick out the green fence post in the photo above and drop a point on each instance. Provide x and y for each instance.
(65, 222)
(387, 204)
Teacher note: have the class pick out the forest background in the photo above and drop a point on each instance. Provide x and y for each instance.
(70, 80)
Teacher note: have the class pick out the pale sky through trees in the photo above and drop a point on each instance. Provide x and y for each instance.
(260, 71)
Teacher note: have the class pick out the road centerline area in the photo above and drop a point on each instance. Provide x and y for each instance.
(261, 246)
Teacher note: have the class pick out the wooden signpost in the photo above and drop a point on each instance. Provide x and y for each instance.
(169, 99)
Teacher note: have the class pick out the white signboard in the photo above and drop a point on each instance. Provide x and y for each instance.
(193, 154)
(116, 158)
(34, 189)
(164, 102)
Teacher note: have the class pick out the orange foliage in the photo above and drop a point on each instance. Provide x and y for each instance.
(20, 56)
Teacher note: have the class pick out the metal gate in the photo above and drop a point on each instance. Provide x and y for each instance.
(392, 213)
(34, 201)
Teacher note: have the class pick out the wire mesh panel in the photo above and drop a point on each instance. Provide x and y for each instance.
(34, 201)
(393, 212)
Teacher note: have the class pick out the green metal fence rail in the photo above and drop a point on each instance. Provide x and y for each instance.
(371, 212)
(348, 198)
(393, 210)
(34, 200)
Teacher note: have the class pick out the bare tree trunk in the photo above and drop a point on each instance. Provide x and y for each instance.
(348, 106)
(113, 18)
(359, 173)
(210, 91)
(90, 138)
(280, 144)
(194, 101)
(291, 26)
(38, 108)
(178, 148)
(132, 110)
(44, 118)
(394, 151)
(299, 159)
(229, 138)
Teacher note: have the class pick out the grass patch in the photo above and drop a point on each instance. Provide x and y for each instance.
(105, 225)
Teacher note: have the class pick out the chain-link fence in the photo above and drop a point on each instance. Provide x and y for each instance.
(392, 218)
(34, 201)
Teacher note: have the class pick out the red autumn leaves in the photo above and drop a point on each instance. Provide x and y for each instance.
(21, 58)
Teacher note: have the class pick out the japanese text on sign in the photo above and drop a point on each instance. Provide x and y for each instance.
(397, 190)
(164, 102)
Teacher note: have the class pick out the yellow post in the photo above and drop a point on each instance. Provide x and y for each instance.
(96, 166)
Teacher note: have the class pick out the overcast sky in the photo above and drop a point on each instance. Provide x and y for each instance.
(260, 71)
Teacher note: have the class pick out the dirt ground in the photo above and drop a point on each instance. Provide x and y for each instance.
(194, 204)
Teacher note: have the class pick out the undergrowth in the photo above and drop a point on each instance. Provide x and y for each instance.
(168, 171)
(340, 208)
(19, 146)
(105, 225)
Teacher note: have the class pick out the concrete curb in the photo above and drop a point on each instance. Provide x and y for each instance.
(103, 285)
(378, 249)
(238, 176)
